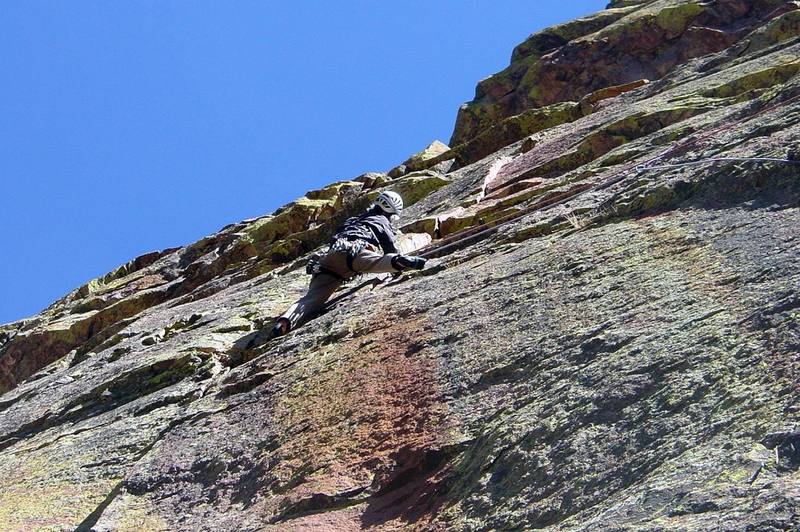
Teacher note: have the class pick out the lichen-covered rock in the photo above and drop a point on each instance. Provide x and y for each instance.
(605, 336)
(780, 29)
(635, 40)
(515, 128)
(425, 159)
(414, 186)
(373, 179)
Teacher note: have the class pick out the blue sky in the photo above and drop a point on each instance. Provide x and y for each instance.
(131, 126)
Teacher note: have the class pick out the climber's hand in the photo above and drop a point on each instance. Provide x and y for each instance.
(418, 262)
(408, 262)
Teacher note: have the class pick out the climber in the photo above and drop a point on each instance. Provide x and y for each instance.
(363, 244)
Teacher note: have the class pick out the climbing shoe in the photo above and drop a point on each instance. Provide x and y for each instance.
(408, 262)
(280, 328)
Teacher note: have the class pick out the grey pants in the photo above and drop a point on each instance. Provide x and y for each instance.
(323, 285)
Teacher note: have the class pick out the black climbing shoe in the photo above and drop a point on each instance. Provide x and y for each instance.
(280, 328)
(260, 338)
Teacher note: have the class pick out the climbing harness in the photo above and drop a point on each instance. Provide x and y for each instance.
(341, 245)
(351, 247)
(313, 266)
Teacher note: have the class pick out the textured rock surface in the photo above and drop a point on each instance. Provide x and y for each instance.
(631, 41)
(427, 158)
(601, 343)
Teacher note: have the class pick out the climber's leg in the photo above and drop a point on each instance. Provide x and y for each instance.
(320, 289)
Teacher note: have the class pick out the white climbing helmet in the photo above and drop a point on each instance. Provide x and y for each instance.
(390, 202)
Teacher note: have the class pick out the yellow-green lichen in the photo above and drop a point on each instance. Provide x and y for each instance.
(514, 128)
(675, 19)
(129, 513)
(414, 187)
(331, 192)
(35, 495)
(433, 150)
(761, 79)
(780, 29)
(473, 118)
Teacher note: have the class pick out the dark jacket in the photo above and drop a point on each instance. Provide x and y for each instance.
(373, 227)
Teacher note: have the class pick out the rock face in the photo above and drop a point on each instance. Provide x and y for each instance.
(607, 336)
(630, 42)
(424, 160)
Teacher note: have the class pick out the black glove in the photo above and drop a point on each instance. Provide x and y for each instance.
(408, 262)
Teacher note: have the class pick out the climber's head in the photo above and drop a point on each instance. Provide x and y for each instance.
(390, 203)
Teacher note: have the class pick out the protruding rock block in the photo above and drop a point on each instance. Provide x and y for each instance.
(315, 208)
(514, 128)
(648, 40)
(408, 243)
(420, 160)
(415, 186)
(373, 179)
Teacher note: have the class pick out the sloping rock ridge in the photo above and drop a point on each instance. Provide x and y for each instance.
(606, 337)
